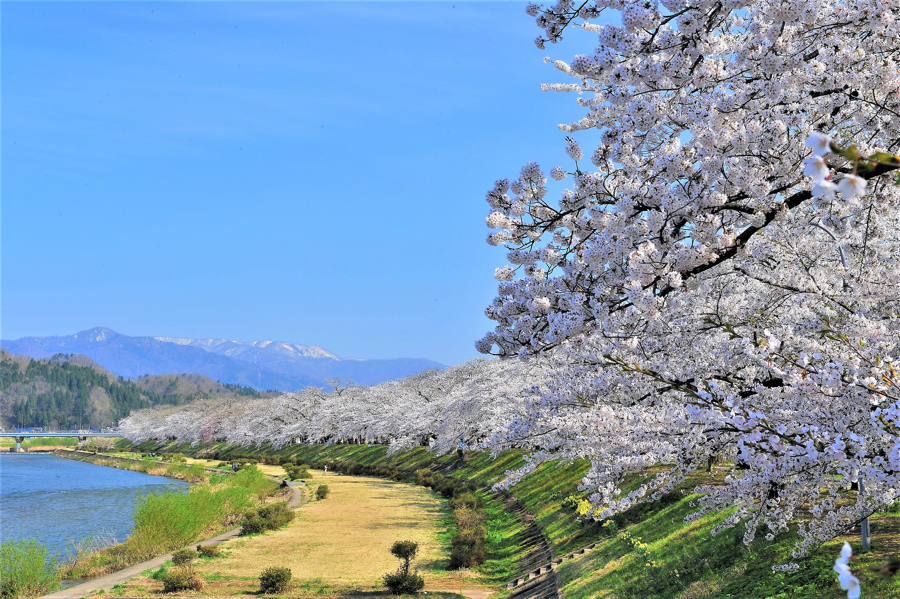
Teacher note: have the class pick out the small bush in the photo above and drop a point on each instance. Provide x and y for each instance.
(181, 579)
(252, 525)
(466, 500)
(25, 571)
(270, 517)
(401, 584)
(322, 492)
(403, 581)
(467, 555)
(184, 557)
(467, 549)
(297, 472)
(208, 551)
(274, 579)
(468, 519)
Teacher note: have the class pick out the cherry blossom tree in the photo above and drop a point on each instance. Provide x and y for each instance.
(719, 275)
(467, 403)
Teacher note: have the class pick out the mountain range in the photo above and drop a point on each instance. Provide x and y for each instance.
(258, 364)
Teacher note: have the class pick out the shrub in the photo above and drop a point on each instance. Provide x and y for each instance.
(467, 549)
(184, 557)
(270, 517)
(402, 581)
(274, 579)
(24, 569)
(252, 525)
(401, 584)
(208, 551)
(322, 492)
(466, 500)
(297, 472)
(181, 579)
(468, 519)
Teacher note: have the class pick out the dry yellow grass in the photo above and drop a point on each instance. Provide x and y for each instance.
(344, 539)
(339, 544)
(264, 468)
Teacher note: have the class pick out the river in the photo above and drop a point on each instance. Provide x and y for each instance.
(55, 500)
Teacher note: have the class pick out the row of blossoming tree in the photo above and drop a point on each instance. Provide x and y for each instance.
(718, 276)
(442, 409)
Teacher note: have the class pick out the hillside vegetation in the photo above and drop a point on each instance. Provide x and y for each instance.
(71, 391)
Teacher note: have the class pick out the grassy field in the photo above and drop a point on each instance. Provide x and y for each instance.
(337, 545)
(39, 443)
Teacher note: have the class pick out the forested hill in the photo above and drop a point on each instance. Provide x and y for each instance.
(71, 391)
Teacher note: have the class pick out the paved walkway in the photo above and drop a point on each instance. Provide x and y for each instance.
(106, 583)
(471, 594)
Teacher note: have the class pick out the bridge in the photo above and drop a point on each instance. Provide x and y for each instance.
(82, 436)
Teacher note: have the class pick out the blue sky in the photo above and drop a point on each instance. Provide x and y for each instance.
(305, 172)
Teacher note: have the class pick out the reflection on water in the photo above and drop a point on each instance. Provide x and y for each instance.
(55, 500)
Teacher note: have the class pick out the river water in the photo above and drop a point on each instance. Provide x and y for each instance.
(55, 500)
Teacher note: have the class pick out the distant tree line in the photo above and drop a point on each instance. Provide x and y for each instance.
(57, 393)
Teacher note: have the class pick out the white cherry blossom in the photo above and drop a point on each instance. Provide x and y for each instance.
(852, 185)
(819, 143)
(706, 299)
(816, 169)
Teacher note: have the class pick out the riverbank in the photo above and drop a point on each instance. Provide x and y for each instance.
(109, 582)
(191, 473)
(162, 523)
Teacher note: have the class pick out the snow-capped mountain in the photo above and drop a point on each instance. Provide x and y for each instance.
(260, 364)
(239, 349)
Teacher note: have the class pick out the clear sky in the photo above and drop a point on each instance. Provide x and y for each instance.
(303, 172)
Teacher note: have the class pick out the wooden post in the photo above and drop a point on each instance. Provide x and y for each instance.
(864, 525)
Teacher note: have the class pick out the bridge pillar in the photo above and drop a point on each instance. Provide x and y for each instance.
(19, 441)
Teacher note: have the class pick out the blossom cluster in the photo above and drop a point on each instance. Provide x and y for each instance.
(721, 281)
(846, 579)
